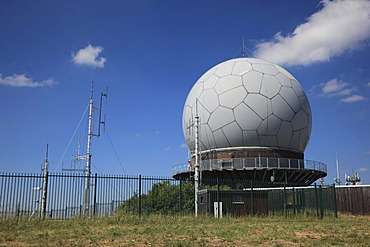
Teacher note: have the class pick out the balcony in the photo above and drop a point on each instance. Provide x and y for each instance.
(252, 164)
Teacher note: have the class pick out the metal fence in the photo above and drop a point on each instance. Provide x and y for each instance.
(237, 198)
(21, 195)
(64, 196)
(353, 199)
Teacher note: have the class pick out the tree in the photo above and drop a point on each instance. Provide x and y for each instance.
(164, 197)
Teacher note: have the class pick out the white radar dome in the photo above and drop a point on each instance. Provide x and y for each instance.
(248, 102)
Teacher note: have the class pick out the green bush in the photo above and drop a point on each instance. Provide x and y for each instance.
(163, 198)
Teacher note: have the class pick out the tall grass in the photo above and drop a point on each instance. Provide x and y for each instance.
(160, 230)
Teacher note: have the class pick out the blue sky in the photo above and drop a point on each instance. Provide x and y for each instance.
(149, 54)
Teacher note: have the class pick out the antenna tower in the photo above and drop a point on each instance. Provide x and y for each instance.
(45, 185)
(90, 135)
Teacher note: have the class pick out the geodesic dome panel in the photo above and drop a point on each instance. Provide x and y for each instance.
(248, 102)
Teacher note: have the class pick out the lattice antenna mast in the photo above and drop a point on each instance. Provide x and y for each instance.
(196, 166)
(91, 134)
(44, 187)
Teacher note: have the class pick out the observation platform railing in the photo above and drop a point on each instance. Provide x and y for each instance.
(252, 164)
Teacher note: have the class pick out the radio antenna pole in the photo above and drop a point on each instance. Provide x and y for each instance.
(90, 135)
(45, 185)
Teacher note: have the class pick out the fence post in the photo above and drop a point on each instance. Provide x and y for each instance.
(139, 209)
(316, 201)
(335, 201)
(285, 211)
(252, 199)
(180, 206)
(95, 190)
(294, 202)
(218, 199)
(321, 203)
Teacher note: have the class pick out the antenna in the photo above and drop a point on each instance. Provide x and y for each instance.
(100, 109)
(106, 95)
(91, 134)
(196, 166)
(243, 49)
(105, 116)
(337, 179)
(76, 158)
(44, 187)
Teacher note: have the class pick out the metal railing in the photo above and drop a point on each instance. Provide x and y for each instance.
(251, 164)
(21, 196)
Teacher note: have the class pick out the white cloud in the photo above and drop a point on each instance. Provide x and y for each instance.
(339, 26)
(362, 169)
(23, 81)
(368, 83)
(353, 98)
(167, 149)
(334, 86)
(89, 56)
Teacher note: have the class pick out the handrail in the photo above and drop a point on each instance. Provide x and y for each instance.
(251, 164)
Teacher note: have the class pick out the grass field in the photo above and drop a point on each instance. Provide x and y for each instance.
(188, 231)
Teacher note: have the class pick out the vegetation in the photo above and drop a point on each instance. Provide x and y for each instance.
(163, 198)
(160, 230)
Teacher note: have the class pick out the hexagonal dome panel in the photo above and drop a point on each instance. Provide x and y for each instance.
(241, 67)
(258, 103)
(221, 140)
(291, 98)
(233, 134)
(221, 117)
(300, 120)
(226, 83)
(297, 88)
(211, 82)
(283, 80)
(281, 108)
(252, 81)
(269, 126)
(225, 68)
(233, 97)
(246, 117)
(206, 75)
(250, 138)
(207, 136)
(285, 134)
(269, 69)
(209, 98)
(270, 86)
